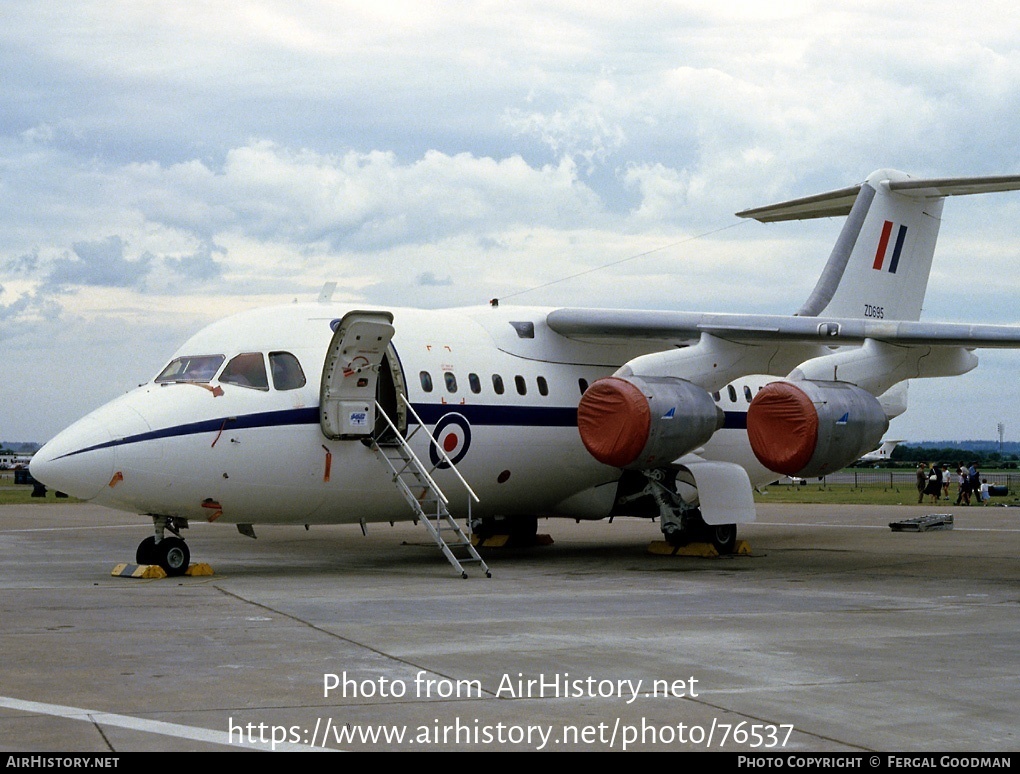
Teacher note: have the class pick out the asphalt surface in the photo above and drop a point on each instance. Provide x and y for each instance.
(837, 634)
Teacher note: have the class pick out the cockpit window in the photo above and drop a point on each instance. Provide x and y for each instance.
(286, 370)
(246, 370)
(190, 369)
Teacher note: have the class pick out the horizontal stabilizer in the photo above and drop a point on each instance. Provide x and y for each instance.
(956, 186)
(838, 203)
(826, 205)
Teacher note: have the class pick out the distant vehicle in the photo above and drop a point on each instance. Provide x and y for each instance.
(12, 461)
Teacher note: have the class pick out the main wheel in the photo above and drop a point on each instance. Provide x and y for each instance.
(146, 551)
(173, 555)
(482, 528)
(523, 530)
(723, 537)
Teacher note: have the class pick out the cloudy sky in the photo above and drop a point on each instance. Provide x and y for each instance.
(164, 164)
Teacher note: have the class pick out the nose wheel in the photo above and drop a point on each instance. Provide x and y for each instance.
(170, 553)
(146, 551)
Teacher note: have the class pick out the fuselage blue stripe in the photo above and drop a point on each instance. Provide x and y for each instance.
(476, 414)
(302, 416)
(511, 416)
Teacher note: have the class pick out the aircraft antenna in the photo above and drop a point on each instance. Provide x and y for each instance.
(618, 262)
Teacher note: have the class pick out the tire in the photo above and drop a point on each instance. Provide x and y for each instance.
(482, 528)
(523, 529)
(146, 552)
(723, 537)
(173, 556)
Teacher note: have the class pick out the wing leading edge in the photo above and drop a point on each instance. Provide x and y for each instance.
(686, 327)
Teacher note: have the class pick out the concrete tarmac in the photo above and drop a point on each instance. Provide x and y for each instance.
(836, 635)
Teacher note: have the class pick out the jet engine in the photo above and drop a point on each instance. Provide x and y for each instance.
(808, 428)
(644, 422)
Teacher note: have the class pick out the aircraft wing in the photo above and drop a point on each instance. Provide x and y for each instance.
(687, 327)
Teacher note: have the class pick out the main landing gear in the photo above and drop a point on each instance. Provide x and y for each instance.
(522, 530)
(170, 553)
(682, 523)
(690, 527)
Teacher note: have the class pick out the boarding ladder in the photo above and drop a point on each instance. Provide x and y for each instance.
(430, 505)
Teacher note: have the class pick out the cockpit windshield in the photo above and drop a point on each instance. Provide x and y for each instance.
(191, 369)
(246, 370)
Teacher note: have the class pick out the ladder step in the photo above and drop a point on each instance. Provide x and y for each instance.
(415, 482)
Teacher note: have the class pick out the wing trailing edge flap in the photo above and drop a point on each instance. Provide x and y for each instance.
(724, 490)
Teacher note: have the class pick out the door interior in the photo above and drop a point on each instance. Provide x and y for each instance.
(351, 375)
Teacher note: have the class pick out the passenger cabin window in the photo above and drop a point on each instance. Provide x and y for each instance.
(286, 371)
(451, 382)
(246, 370)
(426, 381)
(582, 385)
(543, 386)
(732, 393)
(474, 383)
(190, 369)
(522, 386)
(747, 393)
(716, 396)
(497, 384)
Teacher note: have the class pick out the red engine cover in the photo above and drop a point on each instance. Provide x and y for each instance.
(782, 426)
(614, 421)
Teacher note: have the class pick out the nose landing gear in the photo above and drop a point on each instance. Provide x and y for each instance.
(170, 553)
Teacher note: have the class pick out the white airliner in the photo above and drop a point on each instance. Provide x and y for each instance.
(883, 452)
(323, 414)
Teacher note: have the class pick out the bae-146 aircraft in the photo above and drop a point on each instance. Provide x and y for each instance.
(882, 453)
(323, 414)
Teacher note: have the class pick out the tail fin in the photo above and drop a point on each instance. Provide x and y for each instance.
(879, 266)
(883, 452)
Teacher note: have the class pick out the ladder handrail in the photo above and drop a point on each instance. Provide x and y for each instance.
(413, 466)
(410, 451)
(435, 443)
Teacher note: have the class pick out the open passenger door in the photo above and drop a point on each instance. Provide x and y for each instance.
(350, 374)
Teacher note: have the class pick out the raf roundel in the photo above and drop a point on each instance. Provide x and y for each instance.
(453, 434)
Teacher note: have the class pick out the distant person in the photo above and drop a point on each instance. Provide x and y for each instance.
(985, 491)
(922, 481)
(945, 482)
(974, 479)
(934, 486)
(963, 485)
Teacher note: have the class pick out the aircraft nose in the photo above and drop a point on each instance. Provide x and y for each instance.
(78, 461)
